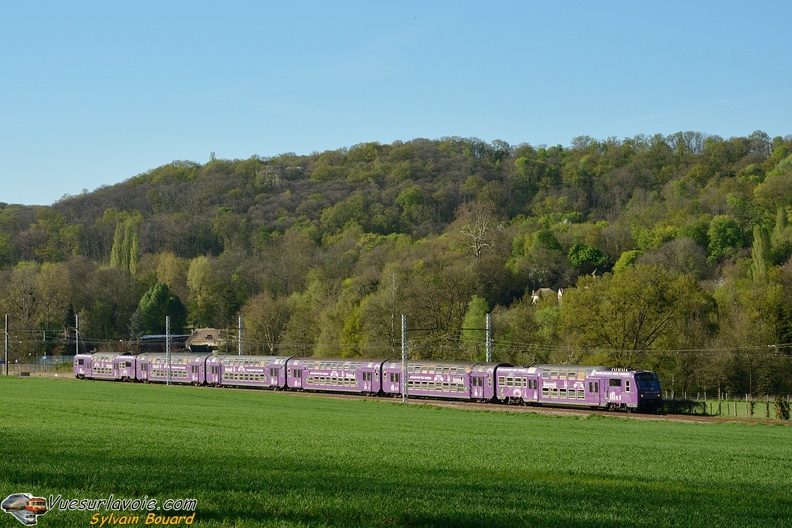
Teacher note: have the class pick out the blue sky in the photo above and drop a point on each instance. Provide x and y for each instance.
(95, 92)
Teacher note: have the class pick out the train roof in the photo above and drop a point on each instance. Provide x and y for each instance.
(241, 360)
(316, 362)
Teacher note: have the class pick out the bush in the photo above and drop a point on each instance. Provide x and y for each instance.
(781, 408)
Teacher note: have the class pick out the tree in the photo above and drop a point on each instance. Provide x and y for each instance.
(625, 313)
(266, 316)
(724, 235)
(473, 327)
(204, 293)
(474, 224)
(760, 254)
(587, 259)
(156, 304)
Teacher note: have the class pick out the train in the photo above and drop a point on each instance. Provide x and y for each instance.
(551, 385)
(25, 507)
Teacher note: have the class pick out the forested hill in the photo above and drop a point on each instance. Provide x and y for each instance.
(672, 253)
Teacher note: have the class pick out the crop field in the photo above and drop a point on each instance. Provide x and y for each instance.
(255, 458)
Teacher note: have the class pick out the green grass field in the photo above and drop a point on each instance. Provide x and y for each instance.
(254, 458)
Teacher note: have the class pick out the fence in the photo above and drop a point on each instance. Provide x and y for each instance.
(768, 407)
(41, 364)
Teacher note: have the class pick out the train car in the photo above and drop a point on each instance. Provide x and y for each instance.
(268, 372)
(183, 368)
(431, 379)
(82, 366)
(361, 376)
(104, 367)
(570, 385)
(37, 505)
(550, 384)
(623, 389)
(26, 517)
(15, 502)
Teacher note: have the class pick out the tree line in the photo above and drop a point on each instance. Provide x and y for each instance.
(672, 253)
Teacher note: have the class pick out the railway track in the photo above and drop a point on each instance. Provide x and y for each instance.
(495, 407)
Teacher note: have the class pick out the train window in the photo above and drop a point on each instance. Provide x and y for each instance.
(562, 393)
(615, 382)
(554, 392)
(572, 375)
(562, 374)
(509, 382)
(489, 381)
(501, 381)
(553, 374)
(627, 385)
(545, 392)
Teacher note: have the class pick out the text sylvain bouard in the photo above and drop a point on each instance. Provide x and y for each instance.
(151, 519)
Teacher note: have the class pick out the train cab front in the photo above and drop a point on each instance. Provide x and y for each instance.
(650, 396)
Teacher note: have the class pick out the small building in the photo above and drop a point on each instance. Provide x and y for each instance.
(206, 340)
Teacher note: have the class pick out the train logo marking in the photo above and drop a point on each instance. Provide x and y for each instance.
(25, 507)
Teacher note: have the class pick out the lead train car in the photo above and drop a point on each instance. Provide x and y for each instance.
(568, 385)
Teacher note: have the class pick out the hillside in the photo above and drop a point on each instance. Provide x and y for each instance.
(672, 253)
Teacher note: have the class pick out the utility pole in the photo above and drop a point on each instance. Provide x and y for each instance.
(77, 334)
(168, 347)
(6, 345)
(404, 357)
(240, 335)
(489, 338)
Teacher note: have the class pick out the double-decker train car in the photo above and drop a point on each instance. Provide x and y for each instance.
(184, 367)
(361, 376)
(555, 385)
(105, 365)
(567, 385)
(250, 371)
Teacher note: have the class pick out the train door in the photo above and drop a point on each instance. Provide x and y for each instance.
(594, 391)
(477, 389)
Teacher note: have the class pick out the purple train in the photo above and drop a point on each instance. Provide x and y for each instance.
(556, 385)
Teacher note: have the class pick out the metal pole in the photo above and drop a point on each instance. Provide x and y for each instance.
(240, 335)
(404, 357)
(168, 347)
(77, 333)
(6, 344)
(489, 338)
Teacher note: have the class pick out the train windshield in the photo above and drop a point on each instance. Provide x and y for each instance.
(647, 381)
